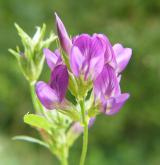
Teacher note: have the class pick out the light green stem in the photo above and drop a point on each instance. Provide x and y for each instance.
(85, 134)
(64, 160)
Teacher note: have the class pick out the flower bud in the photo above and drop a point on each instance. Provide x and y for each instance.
(31, 59)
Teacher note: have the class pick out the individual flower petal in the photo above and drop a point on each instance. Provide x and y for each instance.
(109, 53)
(64, 39)
(92, 49)
(117, 90)
(46, 95)
(83, 42)
(96, 63)
(96, 66)
(113, 105)
(123, 56)
(105, 83)
(76, 60)
(59, 81)
(52, 58)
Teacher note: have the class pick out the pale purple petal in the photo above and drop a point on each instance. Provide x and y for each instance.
(47, 96)
(105, 82)
(96, 62)
(117, 90)
(92, 49)
(91, 121)
(123, 56)
(64, 39)
(113, 105)
(97, 46)
(76, 60)
(83, 42)
(109, 53)
(59, 81)
(96, 66)
(77, 128)
(52, 58)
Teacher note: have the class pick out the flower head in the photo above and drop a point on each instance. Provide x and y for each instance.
(91, 57)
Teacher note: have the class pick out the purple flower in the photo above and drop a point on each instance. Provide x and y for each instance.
(52, 94)
(91, 57)
(107, 90)
(107, 84)
(96, 59)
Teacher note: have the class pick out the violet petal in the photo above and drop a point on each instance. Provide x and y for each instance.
(59, 81)
(64, 39)
(105, 82)
(92, 49)
(113, 105)
(123, 56)
(46, 95)
(52, 58)
(109, 53)
(76, 60)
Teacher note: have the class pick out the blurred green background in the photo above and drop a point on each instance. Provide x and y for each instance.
(132, 137)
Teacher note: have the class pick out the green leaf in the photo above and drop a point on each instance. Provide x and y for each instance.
(38, 122)
(30, 139)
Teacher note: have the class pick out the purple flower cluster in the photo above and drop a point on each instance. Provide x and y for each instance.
(92, 58)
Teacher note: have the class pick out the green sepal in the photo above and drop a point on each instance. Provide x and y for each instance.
(73, 86)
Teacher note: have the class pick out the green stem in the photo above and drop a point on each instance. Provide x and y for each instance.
(85, 134)
(64, 160)
(34, 101)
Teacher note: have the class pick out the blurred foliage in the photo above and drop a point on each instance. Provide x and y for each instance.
(131, 137)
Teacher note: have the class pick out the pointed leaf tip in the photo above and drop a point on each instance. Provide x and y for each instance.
(30, 139)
